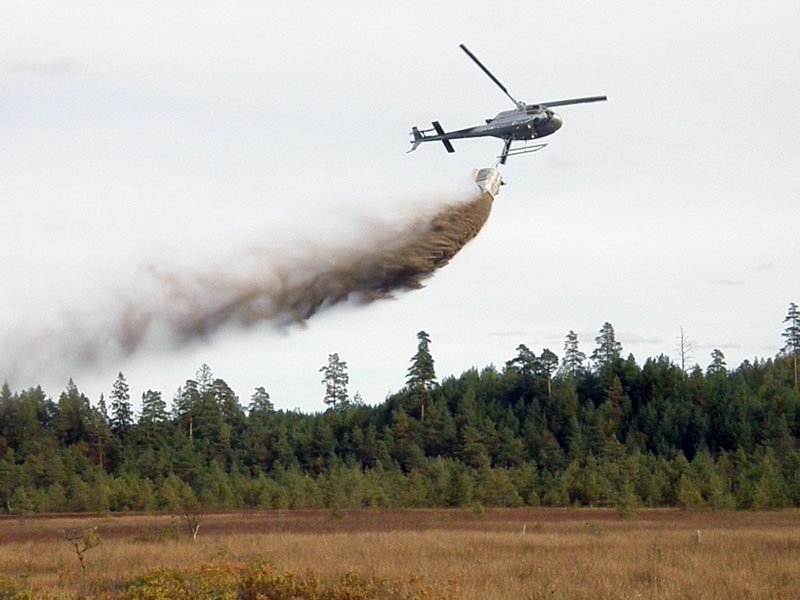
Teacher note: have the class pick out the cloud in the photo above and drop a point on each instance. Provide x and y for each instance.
(764, 266)
(512, 333)
(44, 66)
(726, 282)
(721, 346)
(635, 338)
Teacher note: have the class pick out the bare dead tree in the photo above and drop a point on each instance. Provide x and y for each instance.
(684, 348)
(192, 519)
(82, 540)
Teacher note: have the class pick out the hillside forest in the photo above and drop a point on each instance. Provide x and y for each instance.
(589, 430)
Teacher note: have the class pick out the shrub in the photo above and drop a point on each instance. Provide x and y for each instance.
(260, 581)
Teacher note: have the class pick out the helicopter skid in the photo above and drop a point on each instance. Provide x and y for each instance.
(526, 149)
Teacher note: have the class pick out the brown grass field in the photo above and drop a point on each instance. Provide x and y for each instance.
(564, 553)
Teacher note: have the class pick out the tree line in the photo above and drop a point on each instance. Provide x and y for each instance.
(600, 430)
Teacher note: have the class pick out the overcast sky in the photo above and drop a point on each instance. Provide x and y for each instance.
(179, 134)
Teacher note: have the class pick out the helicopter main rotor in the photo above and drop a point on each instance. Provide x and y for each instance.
(520, 104)
(516, 102)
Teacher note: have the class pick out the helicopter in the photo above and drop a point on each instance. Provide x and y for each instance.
(525, 122)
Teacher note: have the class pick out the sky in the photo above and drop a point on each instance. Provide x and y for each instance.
(178, 135)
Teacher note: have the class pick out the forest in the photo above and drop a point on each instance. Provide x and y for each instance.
(574, 430)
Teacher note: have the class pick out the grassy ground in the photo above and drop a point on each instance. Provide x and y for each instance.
(569, 553)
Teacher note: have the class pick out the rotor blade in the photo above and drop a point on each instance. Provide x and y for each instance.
(488, 72)
(574, 101)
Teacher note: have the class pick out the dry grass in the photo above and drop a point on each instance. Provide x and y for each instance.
(564, 554)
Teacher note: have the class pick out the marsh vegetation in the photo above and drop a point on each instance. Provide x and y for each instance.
(563, 553)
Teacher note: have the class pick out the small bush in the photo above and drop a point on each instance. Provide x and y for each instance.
(257, 582)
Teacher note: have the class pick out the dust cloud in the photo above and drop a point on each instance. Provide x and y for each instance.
(249, 286)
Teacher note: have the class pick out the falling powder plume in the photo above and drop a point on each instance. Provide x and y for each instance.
(367, 273)
(257, 286)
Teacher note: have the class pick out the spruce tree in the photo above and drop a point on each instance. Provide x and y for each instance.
(121, 409)
(204, 378)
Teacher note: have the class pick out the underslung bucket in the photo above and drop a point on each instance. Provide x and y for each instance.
(489, 180)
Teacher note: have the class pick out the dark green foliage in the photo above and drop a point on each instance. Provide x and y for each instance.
(718, 365)
(792, 336)
(335, 381)
(154, 408)
(620, 435)
(260, 404)
(421, 376)
(608, 349)
(573, 360)
(72, 422)
(121, 410)
(421, 373)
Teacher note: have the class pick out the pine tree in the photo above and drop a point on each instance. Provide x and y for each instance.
(717, 365)
(608, 348)
(573, 360)
(547, 363)
(792, 336)
(185, 403)
(260, 404)
(228, 403)
(185, 400)
(121, 410)
(525, 362)
(154, 408)
(335, 381)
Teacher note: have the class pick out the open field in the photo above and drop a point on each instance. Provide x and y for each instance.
(564, 553)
